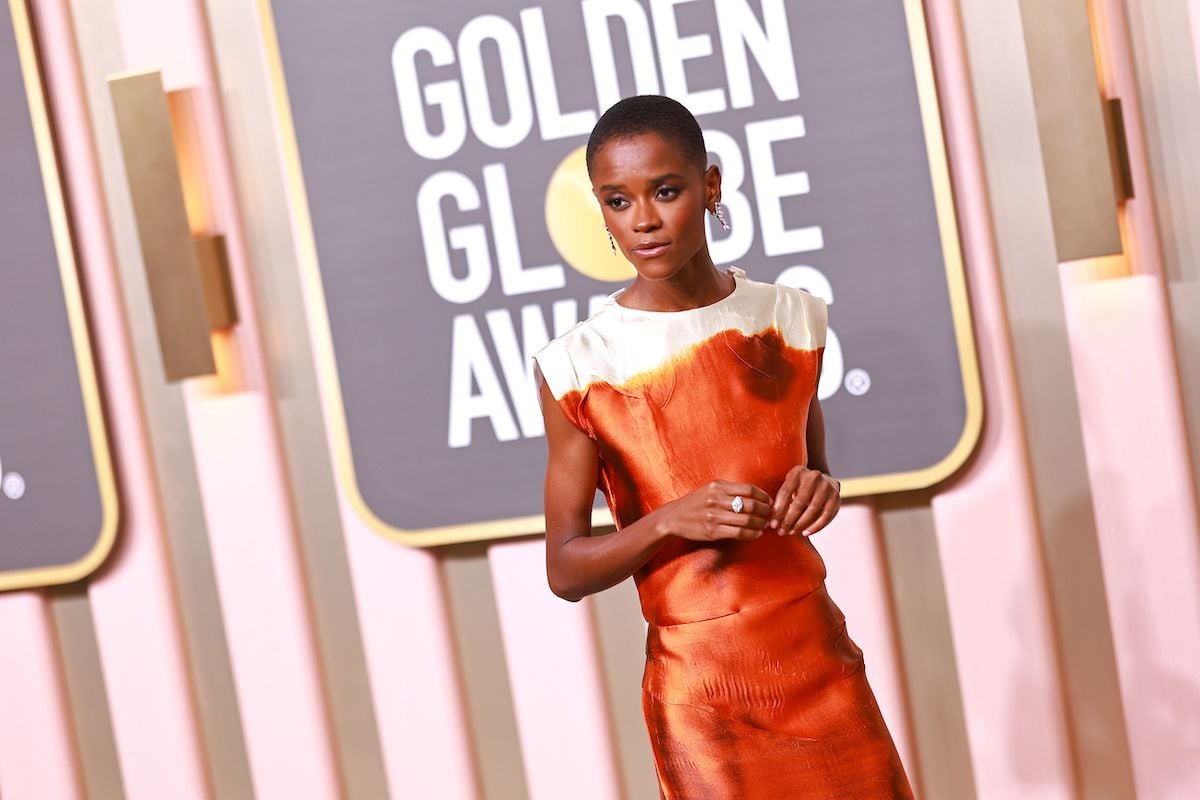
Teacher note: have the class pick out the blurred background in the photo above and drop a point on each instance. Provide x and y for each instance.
(271, 456)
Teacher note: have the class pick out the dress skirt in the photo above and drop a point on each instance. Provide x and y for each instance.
(769, 702)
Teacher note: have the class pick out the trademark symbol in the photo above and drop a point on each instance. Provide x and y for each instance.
(12, 484)
(858, 382)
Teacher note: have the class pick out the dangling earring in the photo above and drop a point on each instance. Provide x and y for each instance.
(719, 213)
(611, 243)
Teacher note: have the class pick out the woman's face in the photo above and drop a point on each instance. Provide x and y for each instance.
(653, 200)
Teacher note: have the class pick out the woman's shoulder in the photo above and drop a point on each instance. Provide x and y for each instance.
(568, 358)
(802, 317)
(784, 295)
(572, 340)
(802, 300)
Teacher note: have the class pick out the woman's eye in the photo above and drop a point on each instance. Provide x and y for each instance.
(616, 202)
(667, 192)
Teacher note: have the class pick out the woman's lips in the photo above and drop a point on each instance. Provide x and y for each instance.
(651, 249)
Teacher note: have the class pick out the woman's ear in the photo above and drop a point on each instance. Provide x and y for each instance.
(712, 185)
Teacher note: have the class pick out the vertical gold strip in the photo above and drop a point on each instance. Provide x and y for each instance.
(85, 686)
(927, 647)
(480, 646)
(1072, 128)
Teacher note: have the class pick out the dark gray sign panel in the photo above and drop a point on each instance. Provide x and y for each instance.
(449, 230)
(58, 506)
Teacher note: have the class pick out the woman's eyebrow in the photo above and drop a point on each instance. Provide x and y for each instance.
(608, 187)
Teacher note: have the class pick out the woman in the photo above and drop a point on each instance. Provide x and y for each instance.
(689, 400)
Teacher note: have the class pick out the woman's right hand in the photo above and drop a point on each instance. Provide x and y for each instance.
(706, 514)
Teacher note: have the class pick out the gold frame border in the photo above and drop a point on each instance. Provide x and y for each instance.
(89, 388)
(326, 366)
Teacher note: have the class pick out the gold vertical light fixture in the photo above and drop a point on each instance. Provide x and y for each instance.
(188, 276)
(1074, 129)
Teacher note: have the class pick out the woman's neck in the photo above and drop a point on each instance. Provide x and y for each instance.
(697, 283)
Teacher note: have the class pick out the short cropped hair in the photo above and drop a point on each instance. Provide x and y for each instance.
(649, 113)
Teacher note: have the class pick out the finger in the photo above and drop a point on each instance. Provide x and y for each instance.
(750, 505)
(747, 490)
(802, 500)
(722, 518)
(826, 517)
(736, 532)
(744, 520)
(758, 509)
(828, 499)
(809, 517)
(785, 492)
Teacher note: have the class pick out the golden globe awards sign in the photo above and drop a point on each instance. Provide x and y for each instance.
(452, 228)
(58, 506)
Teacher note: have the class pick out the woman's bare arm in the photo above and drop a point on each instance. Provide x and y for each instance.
(579, 564)
(816, 438)
(810, 497)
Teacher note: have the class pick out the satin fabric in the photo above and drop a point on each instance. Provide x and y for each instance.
(753, 687)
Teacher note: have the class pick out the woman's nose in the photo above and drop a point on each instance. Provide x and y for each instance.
(646, 220)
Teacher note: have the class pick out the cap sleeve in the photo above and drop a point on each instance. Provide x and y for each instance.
(804, 317)
(556, 366)
(816, 315)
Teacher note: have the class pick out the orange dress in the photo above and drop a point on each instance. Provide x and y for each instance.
(752, 689)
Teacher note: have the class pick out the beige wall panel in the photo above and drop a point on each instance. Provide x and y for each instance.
(166, 424)
(622, 633)
(1073, 132)
(85, 687)
(927, 648)
(1026, 252)
(477, 634)
(1165, 41)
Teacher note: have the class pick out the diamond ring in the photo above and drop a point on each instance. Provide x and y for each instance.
(737, 504)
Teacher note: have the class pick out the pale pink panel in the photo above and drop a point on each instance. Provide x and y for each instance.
(858, 582)
(133, 604)
(1146, 518)
(160, 34)
(263, 600)
(38, 758)
(411, 662)
(557, 687)
(995, 580)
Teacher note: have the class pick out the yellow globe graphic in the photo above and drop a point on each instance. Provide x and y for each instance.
(576, 225)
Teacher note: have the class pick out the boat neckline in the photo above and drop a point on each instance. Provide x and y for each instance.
(738, 278)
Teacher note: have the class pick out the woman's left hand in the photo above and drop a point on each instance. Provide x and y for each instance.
(807, 501)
